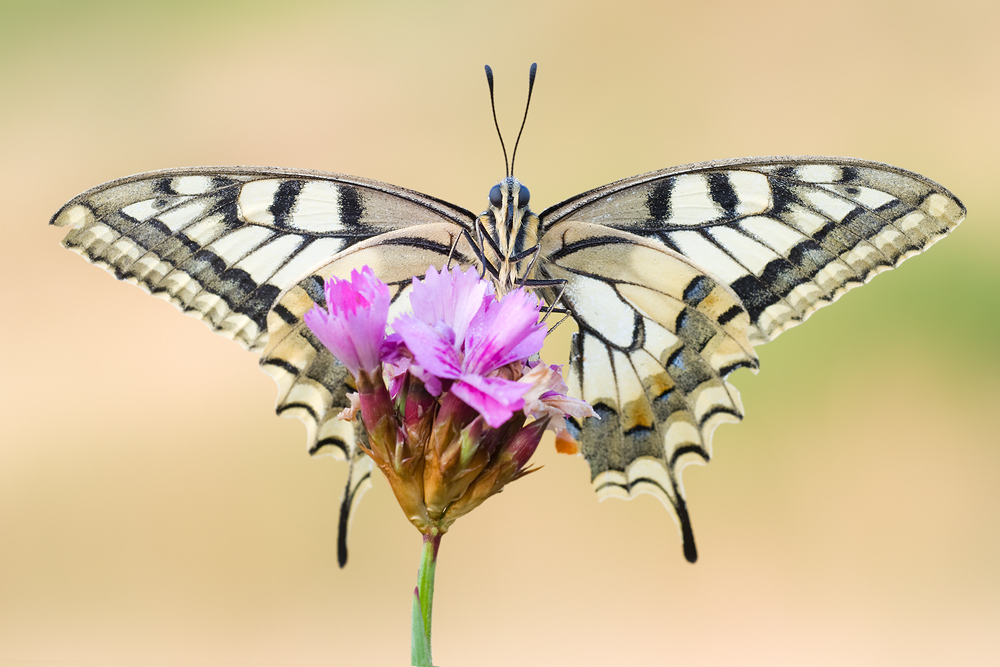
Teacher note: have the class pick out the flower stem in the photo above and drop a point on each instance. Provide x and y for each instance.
(423, 601)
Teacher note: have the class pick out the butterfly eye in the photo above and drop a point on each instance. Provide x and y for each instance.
(495, 197)
(523, 196)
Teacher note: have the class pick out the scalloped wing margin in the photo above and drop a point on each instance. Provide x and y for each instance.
(781, 236)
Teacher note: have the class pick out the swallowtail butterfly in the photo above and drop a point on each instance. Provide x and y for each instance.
(673, 278)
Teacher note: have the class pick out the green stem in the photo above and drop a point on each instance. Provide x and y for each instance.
(423, 602)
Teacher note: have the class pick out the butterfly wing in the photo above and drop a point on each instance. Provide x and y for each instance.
(222, 242)
(225, 243)
(657, 338)
(788, 234)
(781, 236)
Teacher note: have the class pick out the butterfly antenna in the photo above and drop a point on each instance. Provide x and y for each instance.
(531, 85)
(489, 80)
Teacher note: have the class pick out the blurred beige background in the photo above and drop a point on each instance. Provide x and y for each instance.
(154, 510)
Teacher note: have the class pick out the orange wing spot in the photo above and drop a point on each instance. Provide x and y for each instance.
(566, 444)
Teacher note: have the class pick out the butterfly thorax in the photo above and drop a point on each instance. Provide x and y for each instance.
(507, 233)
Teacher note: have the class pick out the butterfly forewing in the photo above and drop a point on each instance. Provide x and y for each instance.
(787, 234)
(222, 243)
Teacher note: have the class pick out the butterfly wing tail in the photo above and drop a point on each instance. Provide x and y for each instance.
(359, 480)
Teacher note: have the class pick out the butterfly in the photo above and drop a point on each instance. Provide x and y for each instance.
(673, 278)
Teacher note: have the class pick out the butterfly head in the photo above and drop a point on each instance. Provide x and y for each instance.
(509, 232)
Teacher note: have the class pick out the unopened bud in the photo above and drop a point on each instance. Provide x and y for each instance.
(453, 456)
(505, 466)
(524, 443)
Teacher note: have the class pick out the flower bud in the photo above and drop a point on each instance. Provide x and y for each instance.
(506, 465)
(378, 414)
(445, 475)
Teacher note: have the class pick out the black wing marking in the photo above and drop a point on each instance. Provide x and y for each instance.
(222, 242)
(787, 234)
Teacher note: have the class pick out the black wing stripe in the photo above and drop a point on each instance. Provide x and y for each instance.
(870, 216)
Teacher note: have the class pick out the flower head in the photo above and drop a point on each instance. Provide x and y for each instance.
(450, 429)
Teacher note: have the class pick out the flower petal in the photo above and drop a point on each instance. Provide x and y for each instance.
(495, 399)
(347, 414)
(396, 362)
(429, 346)
(451, 297)
(352, 326)
(546, 397)
(431, 382)
(505, 332)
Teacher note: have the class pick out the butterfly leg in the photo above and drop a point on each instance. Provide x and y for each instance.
(451, 251)
(488, 239)
(477, 247)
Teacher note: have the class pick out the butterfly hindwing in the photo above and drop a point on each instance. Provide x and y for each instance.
(657, 338)
(311, 383)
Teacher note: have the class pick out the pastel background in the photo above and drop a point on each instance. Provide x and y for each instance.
(153, 510)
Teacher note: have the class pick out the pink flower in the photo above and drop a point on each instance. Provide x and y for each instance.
(444, 400)
(547, 397)
(352, 326)
(459, 332)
